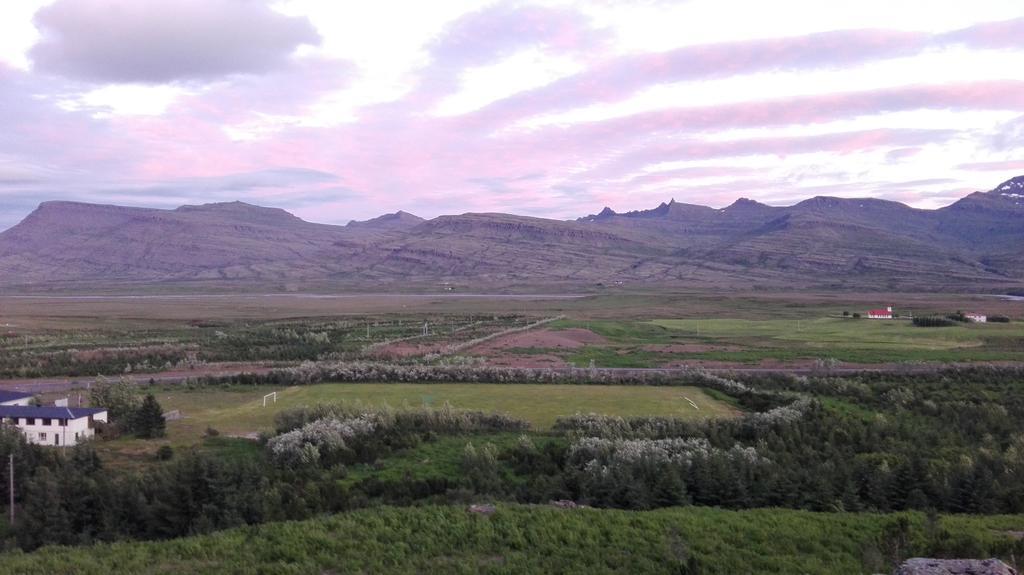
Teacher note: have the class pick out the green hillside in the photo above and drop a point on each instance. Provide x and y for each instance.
(544, 539)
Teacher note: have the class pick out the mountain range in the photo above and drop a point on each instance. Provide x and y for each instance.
(974, 243)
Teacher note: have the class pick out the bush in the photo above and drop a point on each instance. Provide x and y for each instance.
(374, 372)
(165, 453)
(480, 469)
(324, 435)
(933, 321)
(998, 319)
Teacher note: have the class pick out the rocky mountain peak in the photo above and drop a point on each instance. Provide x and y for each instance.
(1013, 188)
(746, 204)
(239, 210)
(397, 219)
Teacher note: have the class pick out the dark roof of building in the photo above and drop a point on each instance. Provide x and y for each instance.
(48, 411)
(13, 395)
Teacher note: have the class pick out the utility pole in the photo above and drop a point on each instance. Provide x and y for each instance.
(11, 473)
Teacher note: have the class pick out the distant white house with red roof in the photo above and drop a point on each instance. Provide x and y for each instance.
(880, 313)
(976, 317)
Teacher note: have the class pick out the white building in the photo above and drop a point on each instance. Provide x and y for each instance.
(977, 317)
(59, 426)
(14, 398)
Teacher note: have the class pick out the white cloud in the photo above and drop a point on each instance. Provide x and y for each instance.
(531, 68)
(17, 33)
(125, 99)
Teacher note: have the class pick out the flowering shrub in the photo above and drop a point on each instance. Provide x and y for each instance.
(783, 414)
(321, 440)
(647, 473)
(343, 433)
(616, 452)
(469, 372)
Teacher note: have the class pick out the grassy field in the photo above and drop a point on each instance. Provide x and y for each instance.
(636, 344)
(85, 312)
(837, 333)
(540, 539)
(239, 410)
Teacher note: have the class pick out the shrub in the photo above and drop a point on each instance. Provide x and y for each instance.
(345, 433)
(998, 319)
(356, 372)
(933, 321)
(165, 453)
(480, 468)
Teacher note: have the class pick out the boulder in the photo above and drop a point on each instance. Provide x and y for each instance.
(484, 509)
(920, 566)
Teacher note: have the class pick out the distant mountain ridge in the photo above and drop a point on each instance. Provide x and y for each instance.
(865, 243)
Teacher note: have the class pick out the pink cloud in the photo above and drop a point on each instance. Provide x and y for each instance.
(623, 76)
(1002, 34)
(899, 154)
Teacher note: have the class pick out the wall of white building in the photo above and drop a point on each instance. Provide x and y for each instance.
(44, 431)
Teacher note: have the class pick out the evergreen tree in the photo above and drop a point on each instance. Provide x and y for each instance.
(149, 419)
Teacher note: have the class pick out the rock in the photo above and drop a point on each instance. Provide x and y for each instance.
(483, 509)
(565, 504)
(920, 566)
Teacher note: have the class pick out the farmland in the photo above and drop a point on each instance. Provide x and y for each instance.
(395, 415)
(134, 347)
(859, 341)
(83, 337)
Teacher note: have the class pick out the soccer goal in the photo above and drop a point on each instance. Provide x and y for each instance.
(272, 395)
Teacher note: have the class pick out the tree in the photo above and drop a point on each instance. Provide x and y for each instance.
(149, 420)
(119, 398)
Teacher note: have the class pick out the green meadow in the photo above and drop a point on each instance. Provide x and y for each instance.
(647, 343)
(239, 410)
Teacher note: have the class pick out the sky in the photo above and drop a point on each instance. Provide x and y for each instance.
(347, 110)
